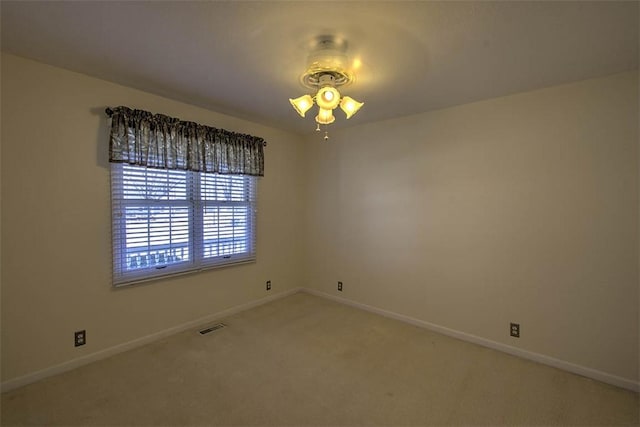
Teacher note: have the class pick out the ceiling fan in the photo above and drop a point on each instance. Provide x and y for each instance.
(328, 68)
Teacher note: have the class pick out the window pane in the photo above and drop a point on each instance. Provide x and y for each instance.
(156, 236)
(153, 184)
(226, 230)
(223, 188)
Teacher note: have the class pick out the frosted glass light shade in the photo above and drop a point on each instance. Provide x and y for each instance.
(328, 98)
(325, 117)
(302, 104)
(350, 106)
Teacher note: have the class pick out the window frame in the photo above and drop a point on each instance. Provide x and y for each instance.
(196, 206)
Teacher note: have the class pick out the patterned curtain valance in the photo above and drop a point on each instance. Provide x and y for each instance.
(157, 141)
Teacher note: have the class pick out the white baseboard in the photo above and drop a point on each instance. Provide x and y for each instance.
(525, 354)
(138, 342)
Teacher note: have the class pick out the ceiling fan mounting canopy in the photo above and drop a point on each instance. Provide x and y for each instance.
(328, 57)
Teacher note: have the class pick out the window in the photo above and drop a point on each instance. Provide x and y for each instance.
(174, 221)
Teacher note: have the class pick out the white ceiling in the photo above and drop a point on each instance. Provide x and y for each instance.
(245, 58)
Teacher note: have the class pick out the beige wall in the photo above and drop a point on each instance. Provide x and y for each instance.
(56, 241)
(522, 209)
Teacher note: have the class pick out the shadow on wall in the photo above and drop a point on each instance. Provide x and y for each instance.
(102, 137)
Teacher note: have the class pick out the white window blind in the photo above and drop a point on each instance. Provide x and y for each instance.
(170, 221)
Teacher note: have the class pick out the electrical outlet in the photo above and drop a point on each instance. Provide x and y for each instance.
(340, 286)
(80, 338)
(515, 330)
(268, 285)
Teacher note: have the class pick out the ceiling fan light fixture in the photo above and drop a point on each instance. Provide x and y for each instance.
(350, 106)
(328, 69)
(325, 117)
(302, 104)
(328, 98)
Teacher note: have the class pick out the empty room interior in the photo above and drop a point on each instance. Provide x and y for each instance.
(320, 213)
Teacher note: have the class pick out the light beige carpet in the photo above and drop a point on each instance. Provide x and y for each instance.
(304, 360)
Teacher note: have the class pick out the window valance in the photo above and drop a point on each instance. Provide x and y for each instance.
(142, 138)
